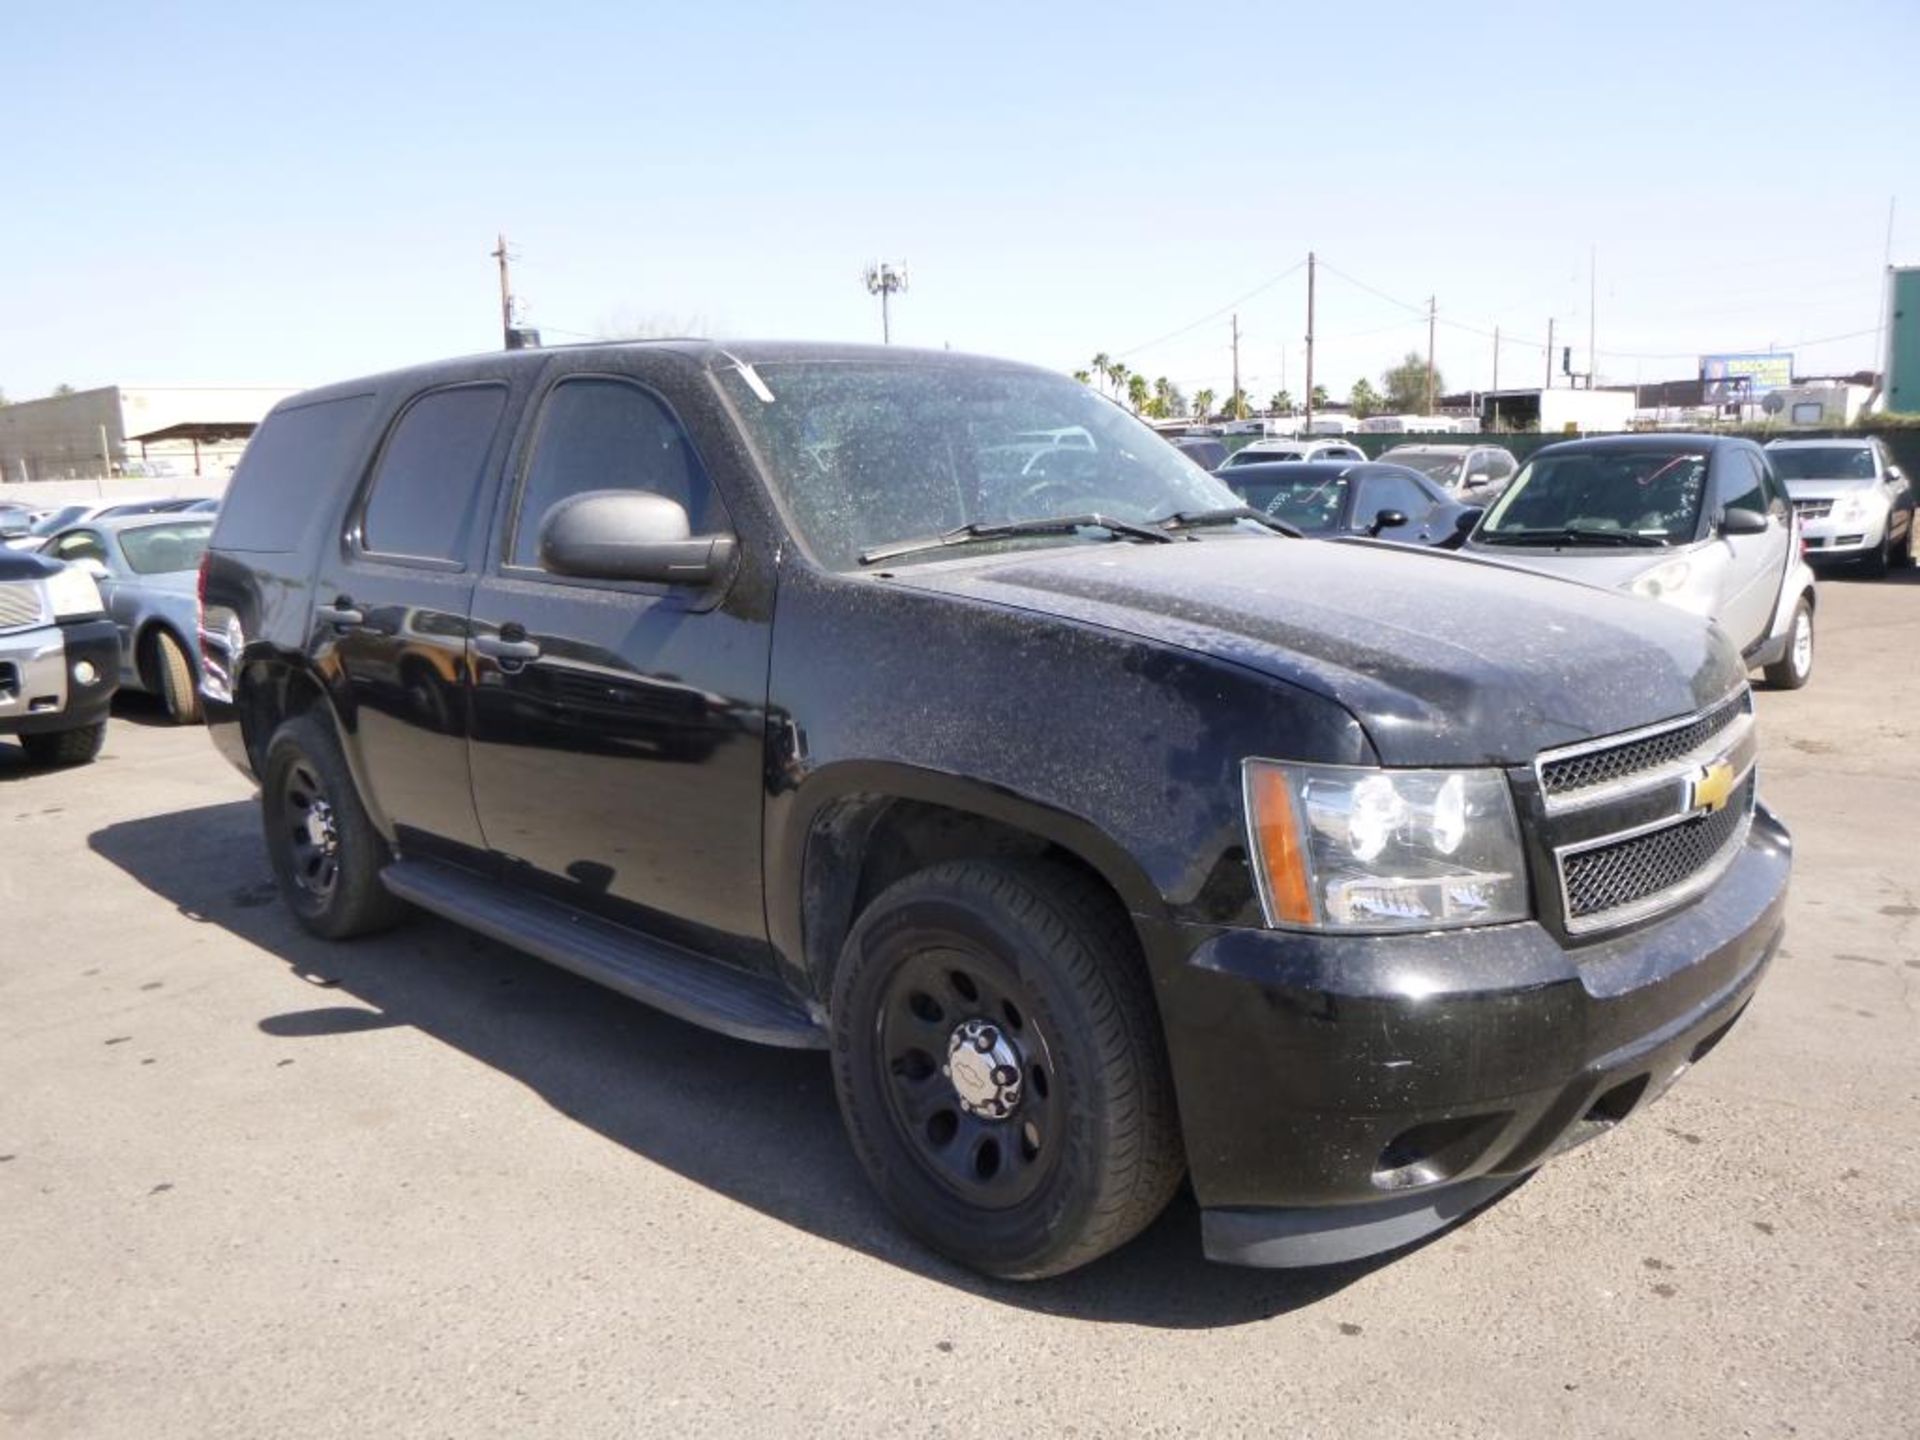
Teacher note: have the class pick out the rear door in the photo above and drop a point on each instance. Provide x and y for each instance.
(391, 602)
(618, 741)
(1756, 564)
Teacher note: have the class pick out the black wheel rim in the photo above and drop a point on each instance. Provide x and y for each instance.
(990, 1160)
(312, 831)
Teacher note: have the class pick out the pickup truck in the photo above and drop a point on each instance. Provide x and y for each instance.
(1101, 830)
(59, 659)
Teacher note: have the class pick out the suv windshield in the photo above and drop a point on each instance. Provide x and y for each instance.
(162, 549)
(865, 453)
(1624, 496)
(1821, 462)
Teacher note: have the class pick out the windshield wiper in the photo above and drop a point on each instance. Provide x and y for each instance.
(1571, 535)
(1043, 525)
(1226, 514)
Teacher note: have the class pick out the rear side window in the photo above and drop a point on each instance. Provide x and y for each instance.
(290, 470)
(425, 487)
(597, 434)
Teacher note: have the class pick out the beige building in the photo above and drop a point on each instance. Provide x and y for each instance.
(158, 431)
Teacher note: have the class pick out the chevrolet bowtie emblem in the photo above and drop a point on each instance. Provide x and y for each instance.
(1712, 787)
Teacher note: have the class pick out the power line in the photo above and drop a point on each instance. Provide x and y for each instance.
(1211, 315)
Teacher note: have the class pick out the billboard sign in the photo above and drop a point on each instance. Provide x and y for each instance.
(1744, 378)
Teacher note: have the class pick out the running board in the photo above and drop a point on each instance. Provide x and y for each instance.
(680, 982)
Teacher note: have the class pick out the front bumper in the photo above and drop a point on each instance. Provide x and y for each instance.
(1343, 1095)
(1829, 539)
(39, 690)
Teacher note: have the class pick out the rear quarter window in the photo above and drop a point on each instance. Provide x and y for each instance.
(293, 468)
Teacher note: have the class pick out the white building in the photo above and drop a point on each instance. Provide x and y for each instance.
(151, 430)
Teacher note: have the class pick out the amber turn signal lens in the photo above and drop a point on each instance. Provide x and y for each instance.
(1282, 858)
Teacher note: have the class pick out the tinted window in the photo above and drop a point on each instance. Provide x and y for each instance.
(1390, 492)
(423, 497)
(1739, 485)
(290, 470)
(608, 435)
(1822, 462)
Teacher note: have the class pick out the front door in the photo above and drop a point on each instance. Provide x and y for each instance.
(1756, 564)
(391, 613)
(617, 747)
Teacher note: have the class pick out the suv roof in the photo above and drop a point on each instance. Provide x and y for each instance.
(1658, 440)
(1844, 442)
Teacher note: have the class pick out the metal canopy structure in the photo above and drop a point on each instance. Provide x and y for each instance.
(199, 432)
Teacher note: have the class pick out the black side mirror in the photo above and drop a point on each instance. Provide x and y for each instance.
(1742, 522)
(629, 535)
(1464, 522)
(1387, 520)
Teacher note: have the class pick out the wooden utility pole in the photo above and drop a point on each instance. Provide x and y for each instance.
(1496, 358)
(1308, 426)
(1233, 402)
(1593, 306)
(506, 295)
(1549, 384)
(1431, 306)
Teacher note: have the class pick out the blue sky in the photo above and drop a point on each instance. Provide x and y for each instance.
(289, 194)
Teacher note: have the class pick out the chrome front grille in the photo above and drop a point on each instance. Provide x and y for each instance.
(1623, 757)
(1813, 509)
(1641, 822)
(1614, 876)
(20, 605)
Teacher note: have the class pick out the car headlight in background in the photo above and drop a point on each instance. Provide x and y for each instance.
(73, 594)
(1344, 848)
(1854, 506)
(1662, 580)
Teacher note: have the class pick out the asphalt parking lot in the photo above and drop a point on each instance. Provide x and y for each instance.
(252, 1183)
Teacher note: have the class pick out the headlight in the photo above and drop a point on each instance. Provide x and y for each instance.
(72, 594)
(1341, 848)
(1662, 579)
(1853, 506)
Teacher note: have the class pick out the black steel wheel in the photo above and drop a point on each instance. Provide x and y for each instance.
(326, 853)
(1000, 1065)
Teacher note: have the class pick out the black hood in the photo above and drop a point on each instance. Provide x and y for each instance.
(25, 565)
(1444, 660)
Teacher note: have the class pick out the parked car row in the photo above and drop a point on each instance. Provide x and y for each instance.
(1103, 829)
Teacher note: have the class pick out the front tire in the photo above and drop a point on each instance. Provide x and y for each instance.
(66, 747)
(1000, 1066)
(1795, 668)
(172, 672)
(1880, 561)
(326, 854)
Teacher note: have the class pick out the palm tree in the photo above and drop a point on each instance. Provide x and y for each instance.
(1137, 392)
(1202, 404)
(1281, 403)
(1100, 365)
(1083, 377)
(1363, 398)
(1320, 398)
(1117, 373)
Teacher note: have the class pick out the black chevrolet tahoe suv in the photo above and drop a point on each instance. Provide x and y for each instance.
(932, 711)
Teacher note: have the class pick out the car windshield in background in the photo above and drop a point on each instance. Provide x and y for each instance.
(59, 519)
(1443, 470)
(866, 453)
(1822, 462)
(1308, 504)
(162, 549)
(1648, 497)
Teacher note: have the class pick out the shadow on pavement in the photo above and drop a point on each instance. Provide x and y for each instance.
(758, 1125)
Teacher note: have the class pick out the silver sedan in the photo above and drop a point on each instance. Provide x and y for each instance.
(147, 567)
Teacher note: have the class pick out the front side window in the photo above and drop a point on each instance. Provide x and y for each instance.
(604, 434)
(1740, 486)
(427, 482)
(81, 545)
(866, 452)
(1390, 492)
(1624, 497)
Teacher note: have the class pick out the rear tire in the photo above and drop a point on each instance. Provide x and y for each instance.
(66, 747)
(173, 677)
(326, 854)
(1795, 668)
(1001, 1069)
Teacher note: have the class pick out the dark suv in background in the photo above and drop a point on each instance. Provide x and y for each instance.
(1100, 829)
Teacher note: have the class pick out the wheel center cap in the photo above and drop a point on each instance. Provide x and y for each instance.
(320, 825)
(985, 1070)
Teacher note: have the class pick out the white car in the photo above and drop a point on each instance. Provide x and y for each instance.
(1265, 452)
(1699, 522)
(1854, 503)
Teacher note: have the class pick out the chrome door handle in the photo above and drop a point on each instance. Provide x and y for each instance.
(341, 613)
(497, 648)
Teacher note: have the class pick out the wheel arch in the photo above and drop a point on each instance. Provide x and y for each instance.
(272, 688)
(861, 827)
